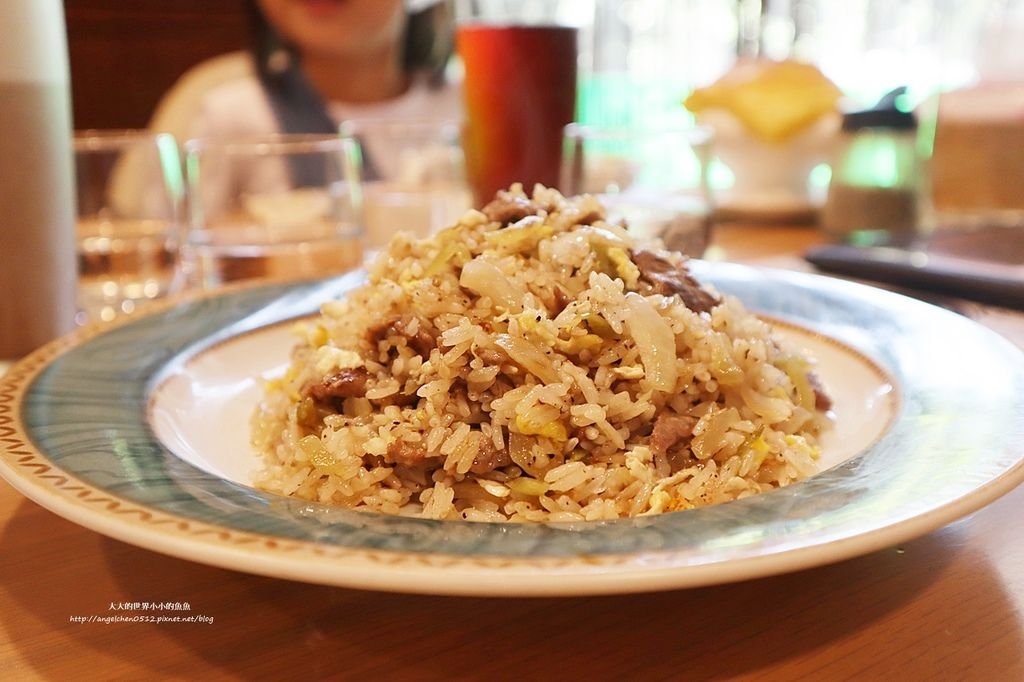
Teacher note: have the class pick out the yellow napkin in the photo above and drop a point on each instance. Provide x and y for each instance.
(773, 100)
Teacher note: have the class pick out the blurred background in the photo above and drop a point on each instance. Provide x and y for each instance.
(138, 49)
(877, 121)
(639, 58)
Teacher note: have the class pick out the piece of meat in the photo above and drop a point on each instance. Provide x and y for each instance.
(422, 341)
(345, 383)
(588, 217)
(669, 429)
(489, 458)
(562, 299)
(409, 455)
(404, 399)
(371, 462)
(667, 279)
(822, 400)
(380, 331)
(507, 208)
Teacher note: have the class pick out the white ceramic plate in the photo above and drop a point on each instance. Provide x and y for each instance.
(141, 432)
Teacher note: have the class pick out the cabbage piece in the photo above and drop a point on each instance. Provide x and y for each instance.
(712, 427)
(522, 235)
(654, 340)
(599, 325)
(723, 368)
(530, 487)
(797, 368)
(486, 279)
(451, 253)
(529, 357)
(577, 344)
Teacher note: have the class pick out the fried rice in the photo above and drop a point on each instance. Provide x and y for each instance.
(535, 363)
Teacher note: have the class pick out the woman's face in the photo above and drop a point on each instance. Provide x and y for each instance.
(336, 27)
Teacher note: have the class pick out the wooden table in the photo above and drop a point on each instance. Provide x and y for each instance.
(949, 605)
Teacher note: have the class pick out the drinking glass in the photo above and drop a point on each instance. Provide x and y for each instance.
(129, 193)
(519, 89)
(414, 176)
(274, 207)
(653, 179)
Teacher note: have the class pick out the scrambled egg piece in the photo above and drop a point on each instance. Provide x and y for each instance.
(330, 359)
(624, 266)
(554, 430)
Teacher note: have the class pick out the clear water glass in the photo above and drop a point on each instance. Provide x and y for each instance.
(414, 175)
(129, 198)
(655, 180)
(275, 207)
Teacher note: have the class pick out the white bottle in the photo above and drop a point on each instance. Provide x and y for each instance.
(37, 238)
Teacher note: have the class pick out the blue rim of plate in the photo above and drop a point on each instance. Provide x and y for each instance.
(74, 437)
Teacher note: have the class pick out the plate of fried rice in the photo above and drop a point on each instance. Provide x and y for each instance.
(530, 402)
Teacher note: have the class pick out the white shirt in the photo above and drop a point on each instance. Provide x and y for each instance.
(233, 104)
(240, 106)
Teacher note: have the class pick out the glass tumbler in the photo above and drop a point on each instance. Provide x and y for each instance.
(414, 175)
(277, 207)
(520, 84)
(129, 194)
(655, 180)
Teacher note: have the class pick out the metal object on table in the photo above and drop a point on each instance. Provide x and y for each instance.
(986, 281)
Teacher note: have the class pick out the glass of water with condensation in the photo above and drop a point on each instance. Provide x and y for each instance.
(273, 207)
(652, 180)
(129, 199)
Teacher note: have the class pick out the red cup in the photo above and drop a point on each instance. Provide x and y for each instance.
(520, 92)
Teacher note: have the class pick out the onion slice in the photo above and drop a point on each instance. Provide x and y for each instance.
(529, 357)
(654, 340)
(486, 279)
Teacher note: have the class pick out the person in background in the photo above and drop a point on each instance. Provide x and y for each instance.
(314, 63)
(311, 65)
